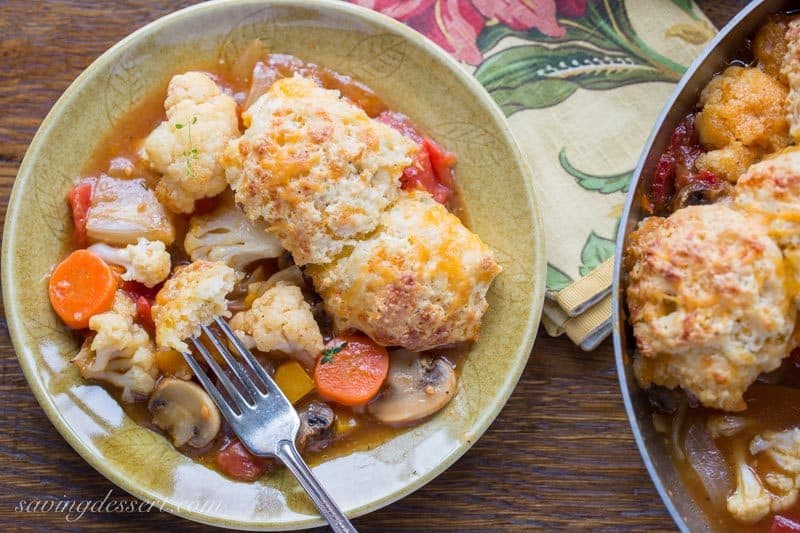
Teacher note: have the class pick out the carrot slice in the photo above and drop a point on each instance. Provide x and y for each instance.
(81, 286)
(351, 370)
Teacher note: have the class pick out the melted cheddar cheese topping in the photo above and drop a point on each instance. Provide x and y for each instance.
(315, 167)
(709, 302)
(419, 281)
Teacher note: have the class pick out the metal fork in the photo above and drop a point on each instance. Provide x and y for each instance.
(261, 415)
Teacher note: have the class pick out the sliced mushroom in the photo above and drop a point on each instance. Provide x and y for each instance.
(417, 388)
(186, 411)
(702, 193)
(316, 427)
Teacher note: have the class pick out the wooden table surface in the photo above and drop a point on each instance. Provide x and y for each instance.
(559, 456)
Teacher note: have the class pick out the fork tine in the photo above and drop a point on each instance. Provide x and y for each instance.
(238, 398)
(211, 389)
(233, 364)
(248, 357)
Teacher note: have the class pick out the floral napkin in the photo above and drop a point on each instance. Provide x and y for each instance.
(581, 82)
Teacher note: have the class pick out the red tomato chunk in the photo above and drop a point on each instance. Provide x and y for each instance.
(676, 168)
(143, 297)
(234, 460)
(432, 168)
(80, 200)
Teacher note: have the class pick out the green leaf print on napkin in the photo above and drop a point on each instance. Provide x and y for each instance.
(596, 250)
(535, 76)
(574, 31)
(556, 279)
(687, 6)
(594, 182)
(598, 51)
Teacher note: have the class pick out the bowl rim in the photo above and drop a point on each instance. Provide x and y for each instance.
(617, 311)
(521, 354)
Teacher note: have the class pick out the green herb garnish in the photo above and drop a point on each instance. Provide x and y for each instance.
(191, 153)
(328, 353)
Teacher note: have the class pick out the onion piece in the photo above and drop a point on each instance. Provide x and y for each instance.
(708, 462)
(660, 423)
(260, 82)
(242, 68)
(677, 425)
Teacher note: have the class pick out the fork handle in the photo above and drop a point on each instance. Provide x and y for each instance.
(287, 452)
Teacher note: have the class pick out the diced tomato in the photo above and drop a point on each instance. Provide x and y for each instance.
(431, 169)
(662, 185)
(235, 461)
(80, 200)
(783, 524)
(144, 297)
(419, 175)
(144, 314)
(706, 176)
(676, 169)
(442, 162)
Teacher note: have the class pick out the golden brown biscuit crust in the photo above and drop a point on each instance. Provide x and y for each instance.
(708, 301)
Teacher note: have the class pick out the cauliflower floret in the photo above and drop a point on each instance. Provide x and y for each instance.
(281, 320)
(186, 148)
(744, 106)
(121, 353)
(226, 234)
(782, 447)
(194, 296)
(729, 162)
(146, 261)
(750, 502)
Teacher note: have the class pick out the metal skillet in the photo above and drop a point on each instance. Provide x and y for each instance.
(680, 503)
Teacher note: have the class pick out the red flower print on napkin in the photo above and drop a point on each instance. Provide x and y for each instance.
(455, 24)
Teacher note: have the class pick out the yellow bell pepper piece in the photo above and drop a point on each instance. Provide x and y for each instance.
(345, 422)
(172, 363)
(293, 381)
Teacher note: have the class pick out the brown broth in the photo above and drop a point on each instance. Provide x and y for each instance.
(125, 141)
(769, 408)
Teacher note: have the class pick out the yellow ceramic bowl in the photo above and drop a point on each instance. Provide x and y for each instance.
(413, 76)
